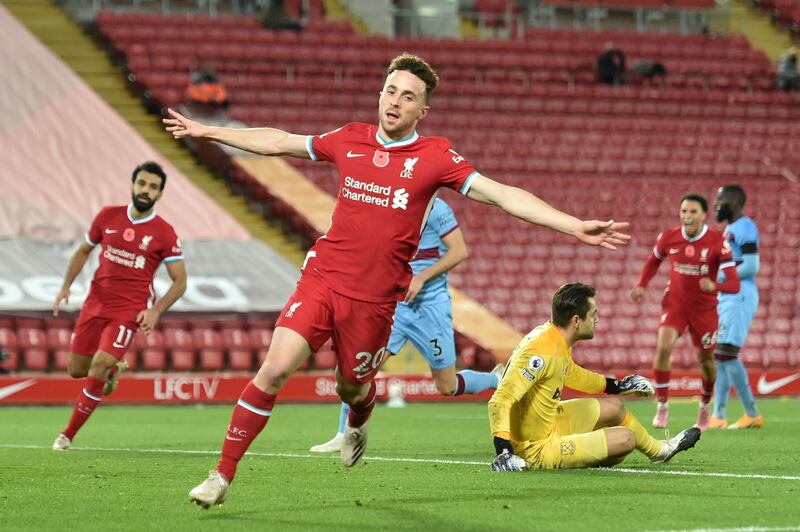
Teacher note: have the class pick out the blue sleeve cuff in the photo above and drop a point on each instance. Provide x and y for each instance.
(89, 240)
(468, 183)
(310, 148)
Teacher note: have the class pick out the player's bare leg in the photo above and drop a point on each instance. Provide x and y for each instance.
(99, 367)
(286, 352)
(662, 365)
(361, 398)
(708, 373)
(78, 366)
(445, 379)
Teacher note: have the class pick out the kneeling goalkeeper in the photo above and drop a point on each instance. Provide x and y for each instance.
(533, 428)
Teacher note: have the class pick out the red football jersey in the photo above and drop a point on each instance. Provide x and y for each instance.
(386, 190)
(691, 259)
(132, 250)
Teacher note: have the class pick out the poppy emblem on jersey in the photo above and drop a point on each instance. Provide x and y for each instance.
(689, 250)
(129, 234)
(380, 159)
(408, 167)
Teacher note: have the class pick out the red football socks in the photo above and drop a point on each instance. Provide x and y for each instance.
(249, 417)
(88, 400)
(359, 414)
(662, 385)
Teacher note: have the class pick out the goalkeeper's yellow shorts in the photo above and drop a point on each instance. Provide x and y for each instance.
(575, 443)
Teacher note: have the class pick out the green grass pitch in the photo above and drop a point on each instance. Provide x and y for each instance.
(426, 468)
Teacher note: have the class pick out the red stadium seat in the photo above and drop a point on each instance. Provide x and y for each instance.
(59, 338)
(144, 341)
(153, 359)
(182, 359)
(178, 339)
(211, 359)
(240, 359)
(236, 338)
(10, 351)
(60, 359)
(36, 359)
(260, 338)
(28, 323)
(31, 338)
(206, 338)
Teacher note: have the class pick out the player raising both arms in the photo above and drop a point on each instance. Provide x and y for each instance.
(425, 316)
(355, 274)
(135, 241)
(533, 428)
(696, 254)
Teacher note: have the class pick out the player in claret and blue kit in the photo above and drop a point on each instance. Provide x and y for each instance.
(736, 311)
(134, 241)
(355, 274)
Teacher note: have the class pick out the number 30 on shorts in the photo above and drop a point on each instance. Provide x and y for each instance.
(370, 362)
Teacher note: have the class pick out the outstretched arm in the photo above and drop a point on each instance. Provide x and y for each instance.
(75, 266)
(263, 140)
(456, 254)
(526, 206)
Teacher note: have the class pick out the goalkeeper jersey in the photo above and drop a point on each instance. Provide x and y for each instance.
(524, 406)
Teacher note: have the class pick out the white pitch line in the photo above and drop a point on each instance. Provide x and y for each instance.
(625, 470)
(738, 529)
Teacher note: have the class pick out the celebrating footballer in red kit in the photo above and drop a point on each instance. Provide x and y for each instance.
(134, 242)
(354, 275)
(696, 253)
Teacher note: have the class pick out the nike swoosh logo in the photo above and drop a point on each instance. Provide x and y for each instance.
(10, 390)
(350, 155)
(227, 437)
(673, 251)
(110, 231)
(766, 387)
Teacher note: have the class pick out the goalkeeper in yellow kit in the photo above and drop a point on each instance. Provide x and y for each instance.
(533, 428)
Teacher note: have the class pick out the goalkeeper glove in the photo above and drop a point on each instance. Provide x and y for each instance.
(630, 385)
(506, 461)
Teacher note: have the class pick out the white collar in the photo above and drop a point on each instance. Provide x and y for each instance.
(694, 238)
(411, 139)
(139, 220)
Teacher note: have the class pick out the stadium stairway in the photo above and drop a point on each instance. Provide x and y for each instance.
(51, 25)
(756, 26)
(336, 10)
